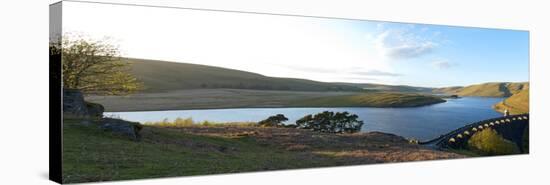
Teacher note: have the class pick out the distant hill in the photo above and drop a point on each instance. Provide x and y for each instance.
(160, 76)
(493, 89)
(447, 90)
(390, 88)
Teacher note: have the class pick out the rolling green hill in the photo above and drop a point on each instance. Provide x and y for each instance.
(494, 89)
(159, 76)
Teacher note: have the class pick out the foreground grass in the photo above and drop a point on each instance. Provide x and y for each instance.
(379, 99)
(91, 154)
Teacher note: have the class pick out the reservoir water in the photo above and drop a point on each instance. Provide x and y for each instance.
(422, 123)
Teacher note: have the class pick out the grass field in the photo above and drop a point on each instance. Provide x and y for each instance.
(90, 154)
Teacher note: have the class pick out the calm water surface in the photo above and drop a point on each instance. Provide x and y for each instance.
(419, 122)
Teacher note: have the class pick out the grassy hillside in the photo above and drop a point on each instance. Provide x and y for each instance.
(496, 89)
(389, 88)
(515, 104)
(91, 154)
(159, 76)
(372, 100)
(517, 93)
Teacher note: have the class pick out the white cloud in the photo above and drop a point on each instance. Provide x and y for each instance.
(410, 50)
(400, 43)
(375, 73)
(442, 64)
(361, 79)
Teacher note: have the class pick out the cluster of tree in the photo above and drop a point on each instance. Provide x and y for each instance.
(274, 121)
(94, 67)
(327, 121)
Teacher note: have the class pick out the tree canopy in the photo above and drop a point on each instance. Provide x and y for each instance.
(274, 121)
(327, 121)
(94, 67)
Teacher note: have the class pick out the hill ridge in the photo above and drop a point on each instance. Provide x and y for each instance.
(487, 89)
(160, 75)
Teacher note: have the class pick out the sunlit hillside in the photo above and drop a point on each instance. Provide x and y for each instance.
(494, 89)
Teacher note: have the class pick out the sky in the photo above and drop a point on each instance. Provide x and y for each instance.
(321, 49)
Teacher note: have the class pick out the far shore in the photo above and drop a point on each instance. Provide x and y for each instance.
(197, 99)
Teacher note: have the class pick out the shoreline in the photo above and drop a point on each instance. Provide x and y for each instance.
(266, 107)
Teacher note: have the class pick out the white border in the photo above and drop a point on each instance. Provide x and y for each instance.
(25, 101)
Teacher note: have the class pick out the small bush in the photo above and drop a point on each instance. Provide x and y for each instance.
(489, 142)
(207, 123)
(274, 121)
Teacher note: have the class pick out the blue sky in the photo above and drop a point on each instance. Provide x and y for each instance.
(330, 50)
(438, 56)
(460, 56)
